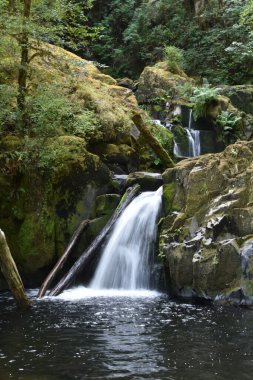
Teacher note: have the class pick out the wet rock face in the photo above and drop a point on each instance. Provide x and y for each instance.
(207, 233)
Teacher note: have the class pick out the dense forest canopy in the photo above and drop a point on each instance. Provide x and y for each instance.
(215, 36)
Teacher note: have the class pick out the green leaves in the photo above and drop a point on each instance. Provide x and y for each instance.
(216, 45)
(229, 127)
(228, 122)
(202, 97)
(174, 58)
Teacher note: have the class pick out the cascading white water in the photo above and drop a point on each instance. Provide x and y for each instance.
(176, 150)
(126, 262)
(194, 138)
(196, 142)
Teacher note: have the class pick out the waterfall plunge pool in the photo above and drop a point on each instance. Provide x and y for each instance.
(118, 328)
(142, 335)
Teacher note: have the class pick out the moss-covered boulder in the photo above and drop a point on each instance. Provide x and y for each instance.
(51, 192)
(158, 82)
(206, 235)
(121, 155)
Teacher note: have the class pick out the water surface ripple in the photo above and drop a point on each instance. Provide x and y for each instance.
(84, 335)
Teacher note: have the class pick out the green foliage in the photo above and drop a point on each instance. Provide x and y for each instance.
(209, 42)
(174, 58)
(7, 109)
(229, 124)
(247, 15)
(165, 137)
(86, 125)
(52, 112)
(61, 22)
(30, 23)
(49, 111)
(202, 97)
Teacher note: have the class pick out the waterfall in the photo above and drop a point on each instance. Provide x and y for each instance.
(126, 262)
(194, 138)
(176, 150)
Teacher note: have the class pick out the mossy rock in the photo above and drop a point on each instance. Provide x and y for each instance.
(180, 137)
(241, 97)
(169, 191)
(60, 188)
(36, 242)
(147, 181)
(105, 204)
(10, 143)
(165, 137)
(122, 155)
(157, 82)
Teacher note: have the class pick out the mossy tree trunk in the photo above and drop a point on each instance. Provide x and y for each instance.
(152, 141)
(10, 272)
(24, 61)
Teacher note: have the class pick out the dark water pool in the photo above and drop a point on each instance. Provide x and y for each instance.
(141, 337)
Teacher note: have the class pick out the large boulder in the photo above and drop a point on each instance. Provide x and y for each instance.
(207, 232)
(158, 82)
(43, 200)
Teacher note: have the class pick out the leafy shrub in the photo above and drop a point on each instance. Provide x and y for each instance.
(202, 98)
(86, 125)
(229, 124)
(51, 113)
(174, 58)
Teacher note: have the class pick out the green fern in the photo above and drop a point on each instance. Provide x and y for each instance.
(202, 97)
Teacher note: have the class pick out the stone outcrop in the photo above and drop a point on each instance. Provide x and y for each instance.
(207, 232)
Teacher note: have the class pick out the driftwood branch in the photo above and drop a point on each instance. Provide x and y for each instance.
(11, 274)
(90, 252)
(152, 141)
(59, 265)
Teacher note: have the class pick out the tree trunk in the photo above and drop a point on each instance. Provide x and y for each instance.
(10, 272)
(90, 252)
(63, 259)
(24, 61)
(153, 142)
(12, 6)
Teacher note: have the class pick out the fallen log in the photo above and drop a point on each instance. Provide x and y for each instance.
(10, 272)
(152, 141)
(59, 265)
(90, 252)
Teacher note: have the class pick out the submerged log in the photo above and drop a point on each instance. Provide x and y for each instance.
(152, 141)
(90, 252)
(59, 265)
(10, 272)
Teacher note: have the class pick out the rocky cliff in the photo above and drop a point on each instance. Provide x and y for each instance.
(207, 232)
